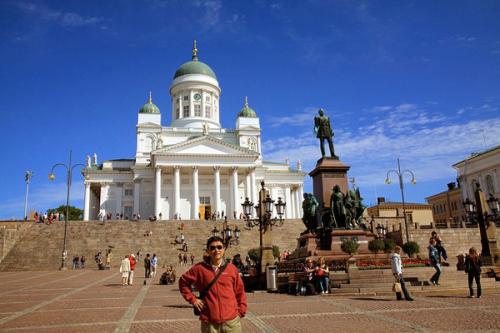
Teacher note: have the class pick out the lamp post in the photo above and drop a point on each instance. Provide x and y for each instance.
(264, 219)
(69, 173)
(477, 212)
(27, 178)
(413, 181)
(381, 231)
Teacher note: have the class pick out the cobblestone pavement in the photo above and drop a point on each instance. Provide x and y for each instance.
(95, 301)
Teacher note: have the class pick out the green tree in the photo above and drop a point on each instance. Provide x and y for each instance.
(254, 253)
(411, 248)
(349, 246)
(75, 213)
(376, 245)
(390, 244)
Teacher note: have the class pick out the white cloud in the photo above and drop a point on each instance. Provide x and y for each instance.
(42, 198)
(67, 19)
(427, 143)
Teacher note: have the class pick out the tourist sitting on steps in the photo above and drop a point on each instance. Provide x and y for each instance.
(309, 278)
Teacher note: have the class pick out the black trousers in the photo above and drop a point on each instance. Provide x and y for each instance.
(477, 277)
(403, 288)
(147, 272)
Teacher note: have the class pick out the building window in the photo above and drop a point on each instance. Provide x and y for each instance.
(197, 110)
(207, 111)
(204, 200)
(129, 192)
(177, 113)
(186, 98)
(185, 112)
(207, 98)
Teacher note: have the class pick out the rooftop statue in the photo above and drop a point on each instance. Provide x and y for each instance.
(324, 131)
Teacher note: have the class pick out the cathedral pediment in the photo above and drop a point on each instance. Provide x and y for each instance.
(205, 145)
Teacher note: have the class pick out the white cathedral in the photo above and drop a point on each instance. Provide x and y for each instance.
(194, 167)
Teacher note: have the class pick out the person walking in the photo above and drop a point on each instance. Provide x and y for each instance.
(185, 259)
(154, 264)
(192, 259)
(124, 270)
(147, 266)
(434, 258)
(473, 269)
(132, 269)
(222, 301)
(397, 271)
(82, 262)
(439, 246)
(180, 259)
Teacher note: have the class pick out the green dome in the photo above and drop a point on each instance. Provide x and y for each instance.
(149, 107)
(247, 111)
(194, 66)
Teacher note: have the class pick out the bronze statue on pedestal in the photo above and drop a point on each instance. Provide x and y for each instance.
(324, 131)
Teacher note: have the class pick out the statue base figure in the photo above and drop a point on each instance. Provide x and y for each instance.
(329, 171)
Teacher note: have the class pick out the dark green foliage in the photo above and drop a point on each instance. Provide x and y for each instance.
(74, 212)
(376, 245)
(411, 248)
(349, 246)
(255, 253)
(390, 244)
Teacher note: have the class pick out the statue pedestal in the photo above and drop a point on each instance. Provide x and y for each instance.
(328, 172)
(328, 246)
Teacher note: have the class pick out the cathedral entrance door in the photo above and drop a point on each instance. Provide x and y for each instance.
(208, 212)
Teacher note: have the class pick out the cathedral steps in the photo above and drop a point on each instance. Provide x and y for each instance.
(40, 246)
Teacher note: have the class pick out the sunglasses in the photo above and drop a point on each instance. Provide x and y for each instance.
(213, 247)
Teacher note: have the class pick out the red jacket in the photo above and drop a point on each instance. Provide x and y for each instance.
(225, 300)
(132, 262)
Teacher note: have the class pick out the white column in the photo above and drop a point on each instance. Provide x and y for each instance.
(119, 196)
(157, 191)
(301, 199)
(196, 195)
(253, 189)
(177, 190)
(217, 189)
(294, 203)
(137, 195)
(298, 203)
(236, 195)
(86, 205)
(248, 189)
(104, 196)
(288, 200)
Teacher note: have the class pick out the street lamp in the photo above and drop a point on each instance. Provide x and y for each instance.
(264, 218)
(413, 181)
(69, 173)
(477, 213)
(27, 178)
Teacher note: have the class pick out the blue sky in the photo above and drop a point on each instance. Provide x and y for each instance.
(419, 80)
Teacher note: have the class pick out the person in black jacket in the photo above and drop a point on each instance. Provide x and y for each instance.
(473, 269)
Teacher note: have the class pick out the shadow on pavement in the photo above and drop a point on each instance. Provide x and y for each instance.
(178, 306)
(372, 299)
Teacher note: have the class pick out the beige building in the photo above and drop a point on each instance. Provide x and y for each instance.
(391, 213)
(448, 206)
(482, 168)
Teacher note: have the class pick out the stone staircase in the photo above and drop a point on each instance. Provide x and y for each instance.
(41, 245)
(379, 282)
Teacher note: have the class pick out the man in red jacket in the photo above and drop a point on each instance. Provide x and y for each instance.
(225, 303)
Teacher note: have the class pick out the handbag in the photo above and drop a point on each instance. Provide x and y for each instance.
(207, 288)
(396, 287)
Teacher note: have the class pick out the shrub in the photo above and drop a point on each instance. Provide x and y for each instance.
(390, 244)
(411, 248)
(349, 246)
(376, 245)
(255, 253)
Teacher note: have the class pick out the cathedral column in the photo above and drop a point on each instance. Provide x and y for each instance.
(119, 196)
(196, 195)
(86, 205)
(137, 193)
(294, 207)
(217, 189)
(253, 189)
(104, 197)
(298, 203)
(177, 190)
(236, 196)
(157, 192)
(288, 200)
(248, 187)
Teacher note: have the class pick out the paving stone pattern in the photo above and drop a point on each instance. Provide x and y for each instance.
(95, 301)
